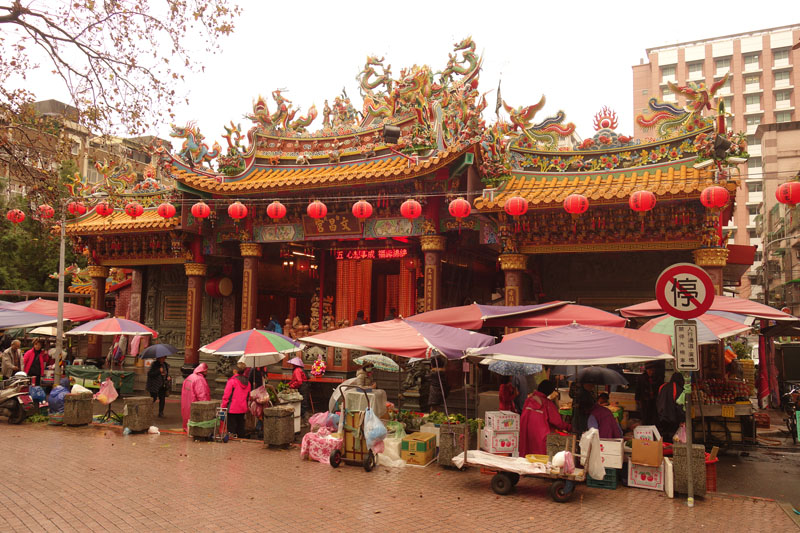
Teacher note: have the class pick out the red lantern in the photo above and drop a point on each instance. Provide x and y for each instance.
(576, 204)
(237, 210)
(642, 201)
(317, 209)
(411, 209)
(459, 208)
(16, 216)
(201, 210)
(76, 208)
(276, 210)
(789, 193)
(166, 210)
(46, 211)
(362, 209)
(103, 209)
(714, 197)
(516, 206)
(134, 209)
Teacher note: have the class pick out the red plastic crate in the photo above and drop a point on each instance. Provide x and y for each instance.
(711, 477)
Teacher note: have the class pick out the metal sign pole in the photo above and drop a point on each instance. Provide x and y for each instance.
(689, 454)
(687, 359)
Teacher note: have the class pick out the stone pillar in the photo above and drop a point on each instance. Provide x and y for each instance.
(513, 265)
(250, 251)
(432, 247)
(196, 274)
(135, 305)
(713, 260)
(98, 301)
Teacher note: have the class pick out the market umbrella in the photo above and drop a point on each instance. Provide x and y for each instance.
(579, 345)
(721, 303)
(406, 338)
(710, 328)
(560, 316)
(510, 368)
(13, 318)
(73, 312)
(381, 362)
(599, 375)
(474, 316)
(112, 326)
(154, 351)
(736, 317)
(47, 331)
(254, 347)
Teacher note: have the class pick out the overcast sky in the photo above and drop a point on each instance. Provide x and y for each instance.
(578, 54)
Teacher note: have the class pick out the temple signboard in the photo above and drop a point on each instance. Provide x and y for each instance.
(332, 225)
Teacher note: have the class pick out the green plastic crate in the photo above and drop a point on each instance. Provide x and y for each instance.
(608, 482)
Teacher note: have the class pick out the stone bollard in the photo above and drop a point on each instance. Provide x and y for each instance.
(451, 443)
(680, 469)
(203, 413)
(138, 413)
(78, 409)
(278, 426)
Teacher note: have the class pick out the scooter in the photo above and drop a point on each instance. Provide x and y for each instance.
(15, 400)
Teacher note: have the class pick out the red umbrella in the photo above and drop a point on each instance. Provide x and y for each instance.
(561, 316)
(475, 315)
(112, 326)
(72, 312)
(721, 303)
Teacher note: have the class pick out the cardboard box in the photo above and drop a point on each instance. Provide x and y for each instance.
(500, 441)
(647, 452)
(418, 448)
(502, 421)
(430, 428)
(612, 451)
(645, 477)
(626, 400)
(646, 433)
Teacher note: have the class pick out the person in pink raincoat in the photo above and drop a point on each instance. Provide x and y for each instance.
(539, 418)
(237, 390)
(195, 389)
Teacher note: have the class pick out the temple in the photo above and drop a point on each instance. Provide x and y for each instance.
(413, 203)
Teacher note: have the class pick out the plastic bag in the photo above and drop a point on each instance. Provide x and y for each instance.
(152, 430)
(37, 393)
(397, 430)
(78, 389)
(374, 430)
(320, 420)
(680, 435)
(569, 463)
(107, 393)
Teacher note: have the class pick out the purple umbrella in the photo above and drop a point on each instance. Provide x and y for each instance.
(11, 318)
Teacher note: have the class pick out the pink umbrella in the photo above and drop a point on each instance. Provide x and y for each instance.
(561, 316)
(112, 326)
(710, 328)
(721, 303)
(474, 316)
(72, 312)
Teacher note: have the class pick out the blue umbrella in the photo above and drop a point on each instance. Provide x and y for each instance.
(159, 350)
(512, 368)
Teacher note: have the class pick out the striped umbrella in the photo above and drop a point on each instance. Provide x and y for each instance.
(710, 328)
(381, 362)
(112, 326)
(511, 368)
(254, 347)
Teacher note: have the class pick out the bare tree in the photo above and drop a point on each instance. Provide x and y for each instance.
(122, 62)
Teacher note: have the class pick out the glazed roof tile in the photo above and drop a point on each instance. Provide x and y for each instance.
(546, 190)
(120, 221)
(269, 178)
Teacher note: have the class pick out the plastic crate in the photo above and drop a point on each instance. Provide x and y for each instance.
(711, 477)
(608, 482)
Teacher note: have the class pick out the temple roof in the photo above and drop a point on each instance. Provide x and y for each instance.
(546, 190)
(285, 178)
(119, 221)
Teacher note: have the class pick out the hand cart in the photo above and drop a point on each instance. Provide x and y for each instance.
(221, 427)
(511, 469)
(354, 450)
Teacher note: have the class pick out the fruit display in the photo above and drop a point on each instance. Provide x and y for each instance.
(719, 391)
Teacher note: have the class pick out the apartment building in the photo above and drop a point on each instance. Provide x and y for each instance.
(759, 90)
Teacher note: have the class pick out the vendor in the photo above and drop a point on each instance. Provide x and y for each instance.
(299, 382)
(364, 377)
(601, 418)
(55, 402)
(540, 417)
(670, 414)
(35, 361)
(582, 402)
(646, 393)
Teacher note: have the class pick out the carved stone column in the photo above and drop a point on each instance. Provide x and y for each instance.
(713, 261)
(196, 274)
(513, 265)
(251, 251)
(432, 247)
(98, 301)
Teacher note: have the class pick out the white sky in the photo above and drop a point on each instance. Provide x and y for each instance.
(578, 54)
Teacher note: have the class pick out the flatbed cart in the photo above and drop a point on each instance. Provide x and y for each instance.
(354, 450)
(511, 469)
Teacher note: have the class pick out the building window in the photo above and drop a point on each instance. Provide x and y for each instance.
(752, 210)
(728, 101)
(752, 233)
(755, 186)
(780, 58)
(753, 120)
(752, 102)
(75, 149)
(695, 70)
(752, 141)
(759, 256)
(783, 116)
(782, 78)
(752, 82)
(754, 162)
(751, 62)
(668, 73)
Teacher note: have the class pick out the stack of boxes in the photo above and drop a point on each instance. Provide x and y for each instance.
(501, 433)
(646, 465)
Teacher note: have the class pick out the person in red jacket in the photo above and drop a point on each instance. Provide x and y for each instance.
(299, 382)
(540, 417)
(237, 390)
(507, 394)
(35, 361)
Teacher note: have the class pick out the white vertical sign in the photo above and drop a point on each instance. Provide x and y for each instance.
(687, 357)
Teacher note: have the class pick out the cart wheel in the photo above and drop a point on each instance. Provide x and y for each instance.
(17, 414)
(369, 462)
(514, 478)
(336, 458)
(502, 484)
(559, 493)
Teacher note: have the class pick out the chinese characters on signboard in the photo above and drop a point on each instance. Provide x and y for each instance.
(383, 253)
(686, 350)
(345, 224)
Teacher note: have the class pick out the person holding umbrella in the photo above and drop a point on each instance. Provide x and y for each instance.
(159, 382)
(195, 389)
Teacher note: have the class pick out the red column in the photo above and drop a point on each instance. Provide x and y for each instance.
(433, 246)
(98, 301)
(251, 252)
(196, 274)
